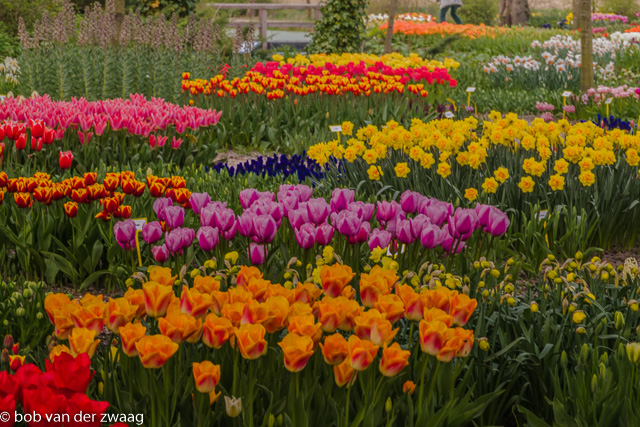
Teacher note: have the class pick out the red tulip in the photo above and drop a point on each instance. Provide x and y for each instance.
(36, 144)
(21, 142)
(70, 374)
(37, 129)
(66, 158)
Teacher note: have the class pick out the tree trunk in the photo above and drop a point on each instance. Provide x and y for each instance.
(393, 7)
(514, 12)
(586, 45)
(576, 13)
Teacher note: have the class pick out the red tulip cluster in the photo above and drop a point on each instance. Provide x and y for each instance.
(59, 393)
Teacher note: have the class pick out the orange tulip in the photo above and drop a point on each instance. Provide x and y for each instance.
(466, 337)
(218, 300)
(136, 299)
(53, 302)
(297, 350)
(431, 314)
(258, 287)
(350, 310)
(451, 347)
(247, 273)
(194, 303)
(344, 374)
(155, 350)
(408, 387)
(156, 298)
(82, 340)
(277, 313)
(279, 290)
(299, 309)
(233, 312)
(394, 359)
(216, 331)
(361, 353)
(238, 294)
(391, 306)
(254, 312)
(413, 309)
(205, 284)
(462, 307)
(250, 340)
(371, 325)
(178, 326)
(62, 320)
(305, 325)
(438, 298)
(130, 334)
(371, 287)
(329, 313)
(307, 293)
(334, 278)
(335, 349)
(162, 275)
(119, 312)
(206, 375)
(213, 397)
(432, 336)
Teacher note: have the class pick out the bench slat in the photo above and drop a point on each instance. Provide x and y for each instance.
(267, 6)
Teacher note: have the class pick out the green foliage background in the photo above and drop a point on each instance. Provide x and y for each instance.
(341, 28)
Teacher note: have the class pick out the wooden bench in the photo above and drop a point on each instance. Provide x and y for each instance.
(262, 21)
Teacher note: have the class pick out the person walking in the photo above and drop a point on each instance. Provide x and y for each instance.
(452, 5)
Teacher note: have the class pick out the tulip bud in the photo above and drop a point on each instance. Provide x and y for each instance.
(563, 360)
(272, 421)
(280, 420)
(39, 316)
(578, 255)
(4, 356)
(388, 405)
(604, 275)
(129, 282)
(633, 352)
(633, 305)
(551, 257)
(583, 357)
(594, 383)
(619, 320)
(495, 273)
(483, 343)
(573, 265)
(620, 352)
(580, 330)
(552, 274)
(20, 312)
(8, 341)
(233, 406)
(533, 307)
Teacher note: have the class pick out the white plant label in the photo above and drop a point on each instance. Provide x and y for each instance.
(336, 128)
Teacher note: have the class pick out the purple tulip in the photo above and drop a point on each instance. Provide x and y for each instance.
(298, 217)
(409, 201)
(403, 231)
(199, 201)
(432, 236)
(206, 215)
(497, 224)
(231, 233)
(173, 240)
(324, 234)
(304, 192)
(340, 198)
(125, 233)
(245, 223)
(289, 203)
(306, 236)
(187, 236)
(318, 210)
(362, 235)
(437, 213)
(417, 224)
(379, 239)
(151, 232)
(348, 223)
(160, 253)
(264, 229)
(159, 205)
(174, 216)
(465, 222)
(247, 197)
(449, 244)
(208, 238)
(224, 219)
(387, 211)
(483, 212)
(257, 254)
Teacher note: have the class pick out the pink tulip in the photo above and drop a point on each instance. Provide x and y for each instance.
(497, 223)
(174, 216)
(199, 201)
(247, 197)
(159, 206)
(208, 238)
(151, 232)
(176, 143)
(264, 229)
(125, 233)
(160, 253)
(257, 254)
(324, 234)
(340, 198)
(318, 210)
(403, 231)
(432, 236)
(379, 239)
(347, 223)
(306, 236)
(224, 218)
(245, 223)
(387, 211)
(409, 201)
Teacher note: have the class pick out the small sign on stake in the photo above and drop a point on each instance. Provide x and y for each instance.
(139, 222)
(448, 115)
(335, 128)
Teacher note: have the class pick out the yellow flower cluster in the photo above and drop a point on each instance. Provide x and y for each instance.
(528, 149)
(394, 60)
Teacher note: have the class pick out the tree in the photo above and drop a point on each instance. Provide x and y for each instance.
(586, 44)
(514, 12)
(393, 7)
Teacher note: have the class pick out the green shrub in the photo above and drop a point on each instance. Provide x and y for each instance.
(479, 11)
(8, 43)
(341, 28)
(621, 7)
